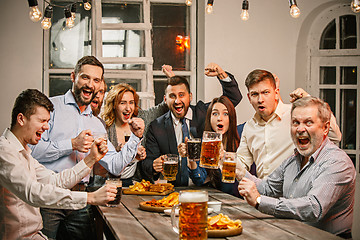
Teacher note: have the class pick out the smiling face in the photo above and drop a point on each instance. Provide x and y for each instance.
(178, 99)
(307, 129)
(219, 118)
(264, 98)
(34, 126)
(86, 83)
(125, 108)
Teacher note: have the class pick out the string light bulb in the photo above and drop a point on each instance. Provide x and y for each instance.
(188, 2)
(46, 22)
(34, 13)
(244, 12)
(294, 10)
(73, 11)
(209, 7)
(355, 6)
(87, 5)
(69, 20)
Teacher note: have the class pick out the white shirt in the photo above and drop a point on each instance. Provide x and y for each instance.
(268, 144)
(178, 125)
(26, 185)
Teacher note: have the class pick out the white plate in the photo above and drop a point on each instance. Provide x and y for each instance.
(168, 211)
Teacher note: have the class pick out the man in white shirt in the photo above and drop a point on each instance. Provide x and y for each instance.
(266, 139)
(26, 185)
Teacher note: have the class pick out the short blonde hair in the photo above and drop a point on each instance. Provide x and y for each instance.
(113, 98)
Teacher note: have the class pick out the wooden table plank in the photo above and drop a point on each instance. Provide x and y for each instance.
(129, 222)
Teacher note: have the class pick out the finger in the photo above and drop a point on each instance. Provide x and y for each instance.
(87, 132)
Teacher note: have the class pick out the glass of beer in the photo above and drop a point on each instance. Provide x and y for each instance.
(210, 150)
(194, 149)
(170, 167)
(229, 166)
(193, 214)
(117, 182)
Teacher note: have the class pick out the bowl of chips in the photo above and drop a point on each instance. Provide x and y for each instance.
(222, 226)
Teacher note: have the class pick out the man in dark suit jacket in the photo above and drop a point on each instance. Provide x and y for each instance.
(164, 133)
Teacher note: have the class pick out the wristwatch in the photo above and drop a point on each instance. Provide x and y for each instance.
(258, 200)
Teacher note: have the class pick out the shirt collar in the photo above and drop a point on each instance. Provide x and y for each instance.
(14, 141)
(188, 116)
(70, 99)
(279, 113)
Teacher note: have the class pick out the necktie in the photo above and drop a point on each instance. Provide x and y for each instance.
(184, 177)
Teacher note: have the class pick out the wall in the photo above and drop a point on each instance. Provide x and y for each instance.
(268, 40)
(21, 55)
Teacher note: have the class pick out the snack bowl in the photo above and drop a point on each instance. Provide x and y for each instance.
(168, 211)
(216, 206)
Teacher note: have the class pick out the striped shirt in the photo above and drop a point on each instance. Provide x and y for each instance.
(321, 193)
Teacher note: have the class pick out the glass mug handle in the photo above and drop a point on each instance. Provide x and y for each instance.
(174, 220)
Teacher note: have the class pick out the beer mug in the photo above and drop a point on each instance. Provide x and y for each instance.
(170, 167)
(193, 214)
(194, 149)
(210, 150)
(117, 182)
(229, 166)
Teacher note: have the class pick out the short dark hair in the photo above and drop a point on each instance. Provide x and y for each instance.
(177, 80)
(88, 60)
(259, 75)
(26, 103)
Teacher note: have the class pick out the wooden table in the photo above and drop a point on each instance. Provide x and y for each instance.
(127, 221)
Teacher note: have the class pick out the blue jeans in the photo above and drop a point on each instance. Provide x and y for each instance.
(68, 224)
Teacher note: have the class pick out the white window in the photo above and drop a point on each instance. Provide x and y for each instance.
(132, 38)
(335, 67)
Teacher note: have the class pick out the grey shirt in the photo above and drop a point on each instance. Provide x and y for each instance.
(321, 193)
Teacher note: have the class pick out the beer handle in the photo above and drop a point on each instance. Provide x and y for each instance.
(174, 220)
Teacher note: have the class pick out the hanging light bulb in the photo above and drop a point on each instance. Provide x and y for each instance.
(87, 5)
(34, 14)
(69, 20)
(188, 2)
(209, 7)
(46, 22)
(355, 6)
(73, 11)
(294, 10)
(244, 12)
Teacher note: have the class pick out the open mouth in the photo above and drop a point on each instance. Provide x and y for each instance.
(179, 109)
(94, 103)
(87, 92)
(302, 141)
(38, 135)
(126, 116)
(261, 108)
(220, 126)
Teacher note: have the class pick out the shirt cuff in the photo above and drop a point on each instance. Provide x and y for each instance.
(79, 199)
(227, 79)
(81, 169)
(267, 205)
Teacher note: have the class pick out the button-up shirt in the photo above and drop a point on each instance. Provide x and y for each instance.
(54, 150)
(321, 193)
(269, 143)
(26, 185)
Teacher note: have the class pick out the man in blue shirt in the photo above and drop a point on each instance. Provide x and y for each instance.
(68, 140)
(316, 184)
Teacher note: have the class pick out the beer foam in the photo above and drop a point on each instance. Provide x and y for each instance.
(193, 196)
(170, 162)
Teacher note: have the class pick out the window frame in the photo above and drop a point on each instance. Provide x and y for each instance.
(147, 76)
(335, 57)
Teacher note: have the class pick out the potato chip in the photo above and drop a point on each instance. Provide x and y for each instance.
(168, 201)
(221, 221)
